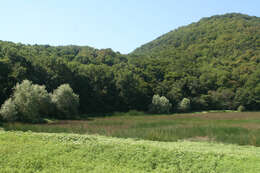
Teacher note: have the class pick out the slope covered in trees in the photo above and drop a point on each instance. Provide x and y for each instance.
(214, 63)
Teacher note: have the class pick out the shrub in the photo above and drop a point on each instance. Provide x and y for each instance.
(32, 101)
(160, 105)
(66, 101)
(8, 111)
(241, 108)
(184, 105)
(29, 103)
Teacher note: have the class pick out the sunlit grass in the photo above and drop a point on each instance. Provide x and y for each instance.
(50, 152)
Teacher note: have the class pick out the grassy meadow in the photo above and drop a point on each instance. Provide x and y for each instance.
(195, 142)
(229, 127)
(27, 152)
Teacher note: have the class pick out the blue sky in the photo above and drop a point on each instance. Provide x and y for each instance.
(122, 25)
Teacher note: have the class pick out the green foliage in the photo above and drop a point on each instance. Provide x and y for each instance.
(184, 105)
(132, 89)
(214, 62)
(31, 101)
(241, 108)
(66, 102)
(217, 56)
(202, 102)
(8, 111)
(160, 105)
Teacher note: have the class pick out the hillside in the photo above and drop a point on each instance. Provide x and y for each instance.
(38, 152)
(218, 56)
(222, 36)
(214, 63)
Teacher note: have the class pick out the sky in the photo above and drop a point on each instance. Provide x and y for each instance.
(122, 25)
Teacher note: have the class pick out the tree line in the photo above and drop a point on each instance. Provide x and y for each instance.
(213, 63)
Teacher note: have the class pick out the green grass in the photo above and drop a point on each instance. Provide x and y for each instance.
(234, 127)
(42, 152)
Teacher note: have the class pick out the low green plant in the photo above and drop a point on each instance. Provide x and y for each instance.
(8, 111)
(184, 105)
(160, 105)
(241, 108)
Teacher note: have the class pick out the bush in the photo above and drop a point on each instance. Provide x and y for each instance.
(160, 105)
(184, 105)
(32, 101)
(29, 103)
(8, 111)
(66, 101)
(241, 108)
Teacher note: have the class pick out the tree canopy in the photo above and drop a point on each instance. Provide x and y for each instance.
(214, 63)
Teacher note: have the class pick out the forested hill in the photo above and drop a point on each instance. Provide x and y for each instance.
(226, 36)
(214, 63)
(218, 57)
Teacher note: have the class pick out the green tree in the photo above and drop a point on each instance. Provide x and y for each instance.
(184, 105)
(29, 103)
(8, 111)
(66, 102)
(160, 105)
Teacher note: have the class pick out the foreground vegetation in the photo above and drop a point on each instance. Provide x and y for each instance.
(31, 152)
(241, 128)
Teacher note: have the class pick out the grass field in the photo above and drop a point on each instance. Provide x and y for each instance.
(27, 152)
(233, 127)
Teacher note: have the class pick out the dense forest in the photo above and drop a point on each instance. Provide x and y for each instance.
(215, 63)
